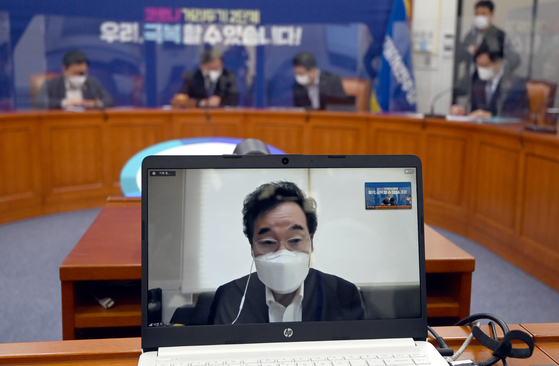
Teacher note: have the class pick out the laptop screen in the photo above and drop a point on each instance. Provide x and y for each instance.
(241, 249)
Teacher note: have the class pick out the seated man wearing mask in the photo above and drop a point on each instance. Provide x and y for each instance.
(494, 92)
(74, 88)
(313, 86)
(280, 223)
(211, 85)
(483, 31)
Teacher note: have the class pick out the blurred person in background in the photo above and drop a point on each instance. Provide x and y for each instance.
(211, 85)
(74, 88)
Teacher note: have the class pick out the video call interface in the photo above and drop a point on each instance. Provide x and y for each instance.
(364, 261)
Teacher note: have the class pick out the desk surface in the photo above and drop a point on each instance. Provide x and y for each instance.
(96, 257)
(125, 351)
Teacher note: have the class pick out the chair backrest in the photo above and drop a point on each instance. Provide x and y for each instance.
(541, 95)
(35, 82)
(137, 86)
(360, 89)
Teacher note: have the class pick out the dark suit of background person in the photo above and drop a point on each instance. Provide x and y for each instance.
(329, 84)
(199, 85)
(482, 31)
(509, 97)
(53, 93)
(226, 87)
(327, 297)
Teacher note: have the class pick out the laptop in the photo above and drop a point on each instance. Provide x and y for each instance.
(368, 306)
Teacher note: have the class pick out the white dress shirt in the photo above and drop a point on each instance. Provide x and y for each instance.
(314, 91)
(492, 84)
(71, 92)
(279, 313)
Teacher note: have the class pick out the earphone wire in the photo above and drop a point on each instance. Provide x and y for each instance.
(244, 293)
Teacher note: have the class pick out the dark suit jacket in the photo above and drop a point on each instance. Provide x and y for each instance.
(226, 87)
(495, 39)
(326, 297)
(329, 84)
(510, 98)
(53, 91)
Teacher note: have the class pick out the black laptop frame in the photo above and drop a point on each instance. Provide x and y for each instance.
(155, 337)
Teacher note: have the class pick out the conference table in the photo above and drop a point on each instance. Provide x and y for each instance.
(493, 183)
(108, 258)
(126, 351)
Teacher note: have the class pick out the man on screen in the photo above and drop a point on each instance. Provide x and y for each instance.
(74, 88)
(313, 86)
(280, 223)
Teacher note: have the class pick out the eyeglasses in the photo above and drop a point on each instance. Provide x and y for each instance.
(295, 244)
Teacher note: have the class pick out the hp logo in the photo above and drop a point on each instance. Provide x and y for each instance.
(288, 332)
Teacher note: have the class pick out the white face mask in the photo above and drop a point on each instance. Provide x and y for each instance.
(302, 79)
(485, 73)
(481, 21)
(282, 271)
(214, 75)
(77, 81)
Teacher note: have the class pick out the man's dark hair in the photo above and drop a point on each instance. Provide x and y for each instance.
(74, 57)
(485, 3)
(270, 195)
(210, 54)
(494, 51)
(305, 59)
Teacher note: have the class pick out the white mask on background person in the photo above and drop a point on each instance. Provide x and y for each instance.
(481, 22)
(302, 79)
(214, 75)
(77, 82)
(485, 73)
(283, 271)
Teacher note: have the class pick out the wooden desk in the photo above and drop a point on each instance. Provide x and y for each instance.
(546, 336)
(480, 180)
(454, 336)
(125, 351)
(90, 352)
(110, 251)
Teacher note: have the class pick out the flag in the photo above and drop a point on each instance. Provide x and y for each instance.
(394, 87)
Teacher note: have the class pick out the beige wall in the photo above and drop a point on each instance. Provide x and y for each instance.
(434, 23)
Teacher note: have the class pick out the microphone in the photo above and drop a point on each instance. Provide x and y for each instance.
(435, 99)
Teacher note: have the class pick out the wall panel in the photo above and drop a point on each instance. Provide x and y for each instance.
(495, 189)
(540, 207)
(20, 169)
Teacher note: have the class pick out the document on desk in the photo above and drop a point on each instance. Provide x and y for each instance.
(496, 120)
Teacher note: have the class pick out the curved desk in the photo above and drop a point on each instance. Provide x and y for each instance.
(126, 351)
(495, 184)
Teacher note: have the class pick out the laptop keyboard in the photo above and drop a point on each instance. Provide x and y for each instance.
(398, 359)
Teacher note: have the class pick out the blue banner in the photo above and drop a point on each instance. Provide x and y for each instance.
(140, 50)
